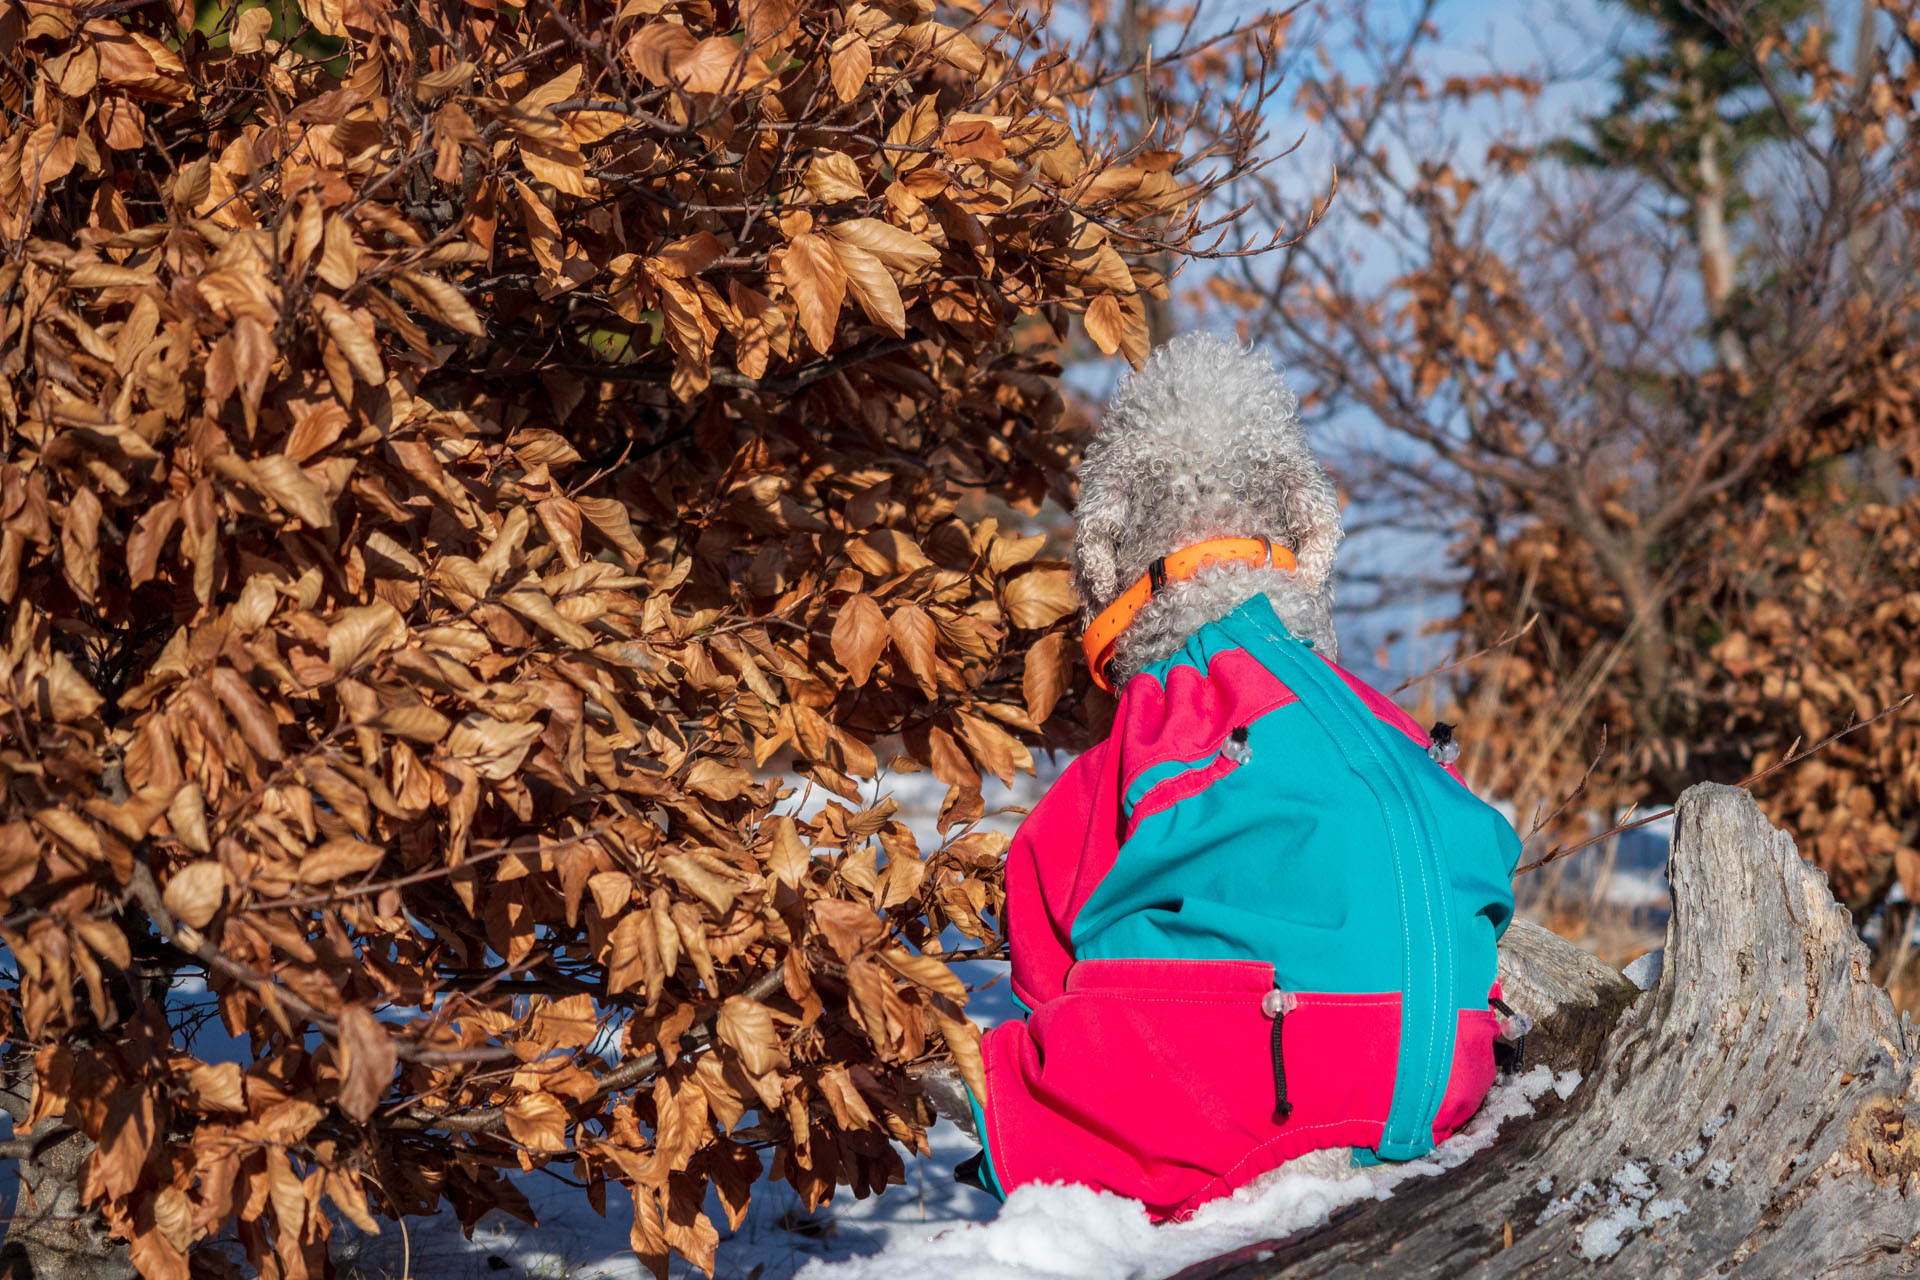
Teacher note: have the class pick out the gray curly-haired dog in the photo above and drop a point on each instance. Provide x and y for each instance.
(1255, 926)
(1204, 441)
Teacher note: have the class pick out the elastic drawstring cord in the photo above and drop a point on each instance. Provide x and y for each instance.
(1510, 1044)
(1277, 1005)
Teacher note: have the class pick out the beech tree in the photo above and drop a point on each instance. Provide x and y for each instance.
(452, 453)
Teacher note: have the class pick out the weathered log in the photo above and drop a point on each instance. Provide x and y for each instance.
(1754, 1113)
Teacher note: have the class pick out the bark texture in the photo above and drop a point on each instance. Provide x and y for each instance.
(50, 1234)
(1755, 1113)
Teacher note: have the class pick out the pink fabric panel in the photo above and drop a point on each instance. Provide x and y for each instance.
(1044, 863)
(1068, 844)
(1473, 1071)
(1192, 714)
(1387, 709)
(1153, 1079)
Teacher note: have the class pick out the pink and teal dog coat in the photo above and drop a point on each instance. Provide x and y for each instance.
(1258, 920)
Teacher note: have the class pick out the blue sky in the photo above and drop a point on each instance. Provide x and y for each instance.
(1564, 44)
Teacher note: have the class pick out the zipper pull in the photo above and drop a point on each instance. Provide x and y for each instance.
(1235, 748)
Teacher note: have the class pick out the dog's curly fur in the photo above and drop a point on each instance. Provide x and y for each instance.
(1204, 441)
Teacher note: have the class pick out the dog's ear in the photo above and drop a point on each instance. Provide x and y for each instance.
(1095, 571)
(1317, 541)
(1099, 524)
(1314, 527)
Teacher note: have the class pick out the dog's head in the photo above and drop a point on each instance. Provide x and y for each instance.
(1204, 441)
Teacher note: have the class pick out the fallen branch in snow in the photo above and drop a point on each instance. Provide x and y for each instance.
(1755, 1111)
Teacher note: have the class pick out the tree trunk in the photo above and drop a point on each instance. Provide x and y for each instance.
(1136, 49)
(1716, 251)
(1755, 1112)
(51, 1235)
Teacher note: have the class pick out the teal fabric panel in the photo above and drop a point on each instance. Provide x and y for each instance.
(986, 1148)
(1414, 862)
(1263, 865)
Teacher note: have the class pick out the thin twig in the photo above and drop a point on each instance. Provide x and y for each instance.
(489, 1119)
(144, 890)
(332, 896)
(1507, 639)
(779, 384)
(1542, 822)
(1554, 855)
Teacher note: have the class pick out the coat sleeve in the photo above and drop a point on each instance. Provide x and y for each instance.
(1059, 854)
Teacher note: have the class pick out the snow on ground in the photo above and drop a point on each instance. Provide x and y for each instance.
(1071, 1233)
(777, 1238)
(932, 1227)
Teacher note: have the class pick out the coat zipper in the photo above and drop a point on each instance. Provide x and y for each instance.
(1425, 932)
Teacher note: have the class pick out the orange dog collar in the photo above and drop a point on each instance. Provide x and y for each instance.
(1103, 633)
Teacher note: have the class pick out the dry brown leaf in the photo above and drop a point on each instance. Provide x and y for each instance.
(353, 340)
(368, 1063)
(339, 263)
(848, 927)
(187, 815)
(885, 552)
(217, 1087)
(492, 748)
(441, 301)
(859, 637)
(851, 63)
(1045, 676)
(720, 65)
(746, 1027)
(337, 859)
(538, 1122)
(566, 1023)
(609, 517)
(973, 139)
(194, 893)
(356, 635)
(290, 485)
(1038, 598)
(657, 47)
(872, 286)
(834, 175)
(784, 852)
(914, 636)
(413, 721)
(761, 331)
(899, 250)
(813, 276)
(438, 84)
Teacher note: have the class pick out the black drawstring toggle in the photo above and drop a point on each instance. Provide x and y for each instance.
(1277, 1005)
